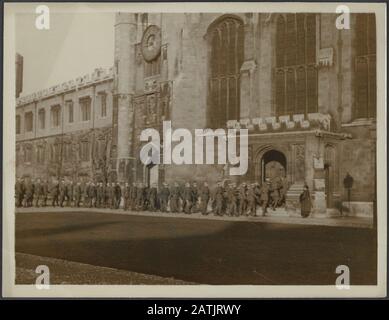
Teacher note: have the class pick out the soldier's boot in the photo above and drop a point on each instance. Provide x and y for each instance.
(264, 207)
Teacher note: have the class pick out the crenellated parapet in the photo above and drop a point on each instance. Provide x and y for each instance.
(98, 75)
(283, 123)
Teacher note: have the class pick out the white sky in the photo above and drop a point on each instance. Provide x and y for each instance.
(75, 45)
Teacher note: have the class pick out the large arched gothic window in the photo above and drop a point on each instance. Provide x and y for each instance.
(365, 66)
(226, 40)
(295, 72)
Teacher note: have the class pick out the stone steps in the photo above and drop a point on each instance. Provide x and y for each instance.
(293, 197)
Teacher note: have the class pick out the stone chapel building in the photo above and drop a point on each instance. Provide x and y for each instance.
(305, 90)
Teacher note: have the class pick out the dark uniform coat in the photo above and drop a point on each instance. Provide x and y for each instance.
(163, 196)
(305, 202)
(204, 198)
(175, 195)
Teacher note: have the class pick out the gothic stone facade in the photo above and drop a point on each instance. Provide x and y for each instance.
(305, 90)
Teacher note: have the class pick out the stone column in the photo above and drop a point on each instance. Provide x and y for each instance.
(125, 40)
(346, 45)
(265, 57)
(247, 69)
(318, 189)
(246, 85)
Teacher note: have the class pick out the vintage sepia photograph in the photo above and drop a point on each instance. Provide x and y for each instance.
(211, 150)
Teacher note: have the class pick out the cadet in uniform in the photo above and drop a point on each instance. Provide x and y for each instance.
(38, 192)
(69, 193)
(274, 194)
(107, 195)
(133, 194)
(175, 194)
(126, 196)
(62, 192)
(100, 195)
(28, 194)
(219, 198)
(139, 197)
(19, 192)
(257, 191)
(45, 189)
(118, 195)
(251, 201)
(152, 196)
(195, 198)
(265, 197)
(232, 199)
(92, 195)
(283, 190)
(145, 193)
(242, 199)
(54, 194)
(104, 195)
(204, 198)
(85, 194)
(163, 196)
(187, 198)
(77, 194)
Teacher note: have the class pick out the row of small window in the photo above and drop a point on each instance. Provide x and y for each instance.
(55, 111)
(55, 153)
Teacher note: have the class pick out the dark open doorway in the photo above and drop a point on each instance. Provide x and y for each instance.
(273, 165)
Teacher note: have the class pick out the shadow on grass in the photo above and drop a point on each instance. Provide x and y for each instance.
(208, 252)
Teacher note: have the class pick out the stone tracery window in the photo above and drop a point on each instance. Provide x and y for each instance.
(27, 153)
(56, 152)
(70, 108)
(295, 72)
(85, 108)
(103, 104)
(84, 150)
(18, 124)
(55, 116)
(40, 157)
(42, 118)
(226, 40)
(29, 121)
(67, 151)
(365, 66)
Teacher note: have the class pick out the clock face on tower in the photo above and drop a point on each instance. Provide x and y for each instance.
(151, 43)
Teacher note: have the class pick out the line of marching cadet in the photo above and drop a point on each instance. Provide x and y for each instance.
(226, 198)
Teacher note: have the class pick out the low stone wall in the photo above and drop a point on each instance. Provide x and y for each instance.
(357, 209)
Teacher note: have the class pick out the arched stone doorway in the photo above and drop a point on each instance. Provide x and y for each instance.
(273, 165)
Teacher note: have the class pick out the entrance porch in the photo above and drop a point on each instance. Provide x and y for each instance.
(299, 158)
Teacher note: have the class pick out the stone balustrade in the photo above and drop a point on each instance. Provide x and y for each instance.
(283, 123)
(99, 74)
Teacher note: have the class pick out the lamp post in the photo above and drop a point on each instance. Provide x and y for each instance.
(348, 184)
